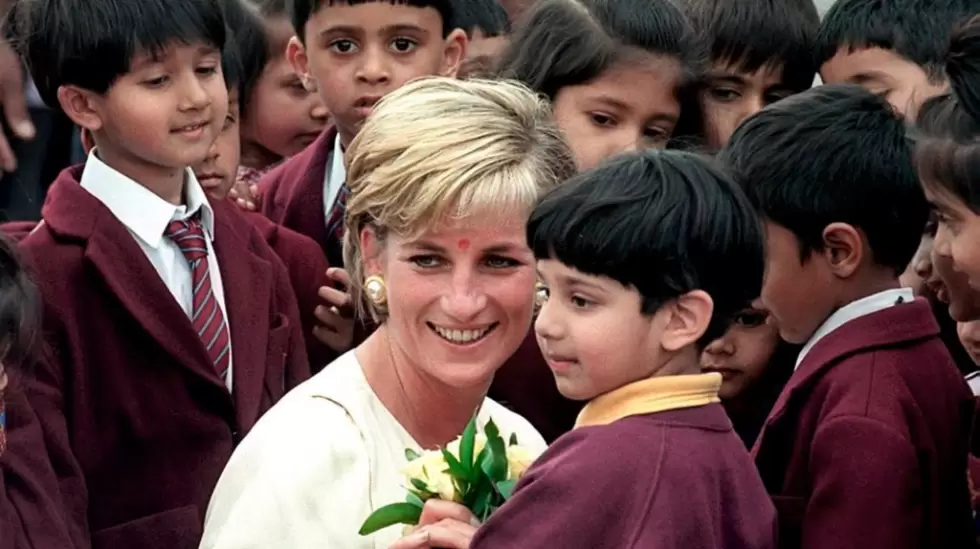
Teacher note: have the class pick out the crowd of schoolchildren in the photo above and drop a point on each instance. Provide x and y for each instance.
(190, 272)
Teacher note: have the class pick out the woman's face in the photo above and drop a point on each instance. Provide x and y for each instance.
(743, 353)
(460, 299)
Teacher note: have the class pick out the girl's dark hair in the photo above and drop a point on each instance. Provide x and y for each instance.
(20, 309)
(947, 153)
(561, 43)
(249, 38)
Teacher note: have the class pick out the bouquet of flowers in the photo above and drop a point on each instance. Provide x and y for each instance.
(478, 471)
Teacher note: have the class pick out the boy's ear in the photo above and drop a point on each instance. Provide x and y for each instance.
(81, 106)
(454, 53)
(843, 249)
(371, 255)
(296, 55)
(690, 315)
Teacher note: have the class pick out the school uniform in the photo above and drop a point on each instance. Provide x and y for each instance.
(17, 230)
(867, 444)
(30, 508)
(307, 269)
(141, 413)
(308, 192)
(651, 465)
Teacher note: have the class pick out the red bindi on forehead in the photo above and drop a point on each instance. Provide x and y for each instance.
(463, 243)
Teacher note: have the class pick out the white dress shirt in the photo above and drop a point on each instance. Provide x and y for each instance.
(333, 177)
(146, 216)
(856, 309)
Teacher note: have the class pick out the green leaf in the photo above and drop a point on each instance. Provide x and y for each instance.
(415, 500)
(506, 488)
(419, 485)
(491, 430)
(494, 463)
(467, 443)
(513, 439)
(389, 515)
(456, 469)
(411, 455)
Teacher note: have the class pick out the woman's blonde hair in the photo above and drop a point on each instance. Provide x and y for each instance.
(439, 150)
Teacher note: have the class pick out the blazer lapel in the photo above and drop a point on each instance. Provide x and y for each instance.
(305, 211)
(247, 280)
(72, 212)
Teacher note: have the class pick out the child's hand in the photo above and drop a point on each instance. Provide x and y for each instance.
(443, 524)
(245, 195)
(336, 317)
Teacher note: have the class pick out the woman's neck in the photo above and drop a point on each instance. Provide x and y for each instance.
(432, 412)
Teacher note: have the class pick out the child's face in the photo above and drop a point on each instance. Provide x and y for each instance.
(955, 246)
(217, 172)
(903, 83)
(161, 116)
(732, 95)
(356, 54)
(798, 294)
(628, 107)
(283, 117)
(742, 354)
(952, 287)
(592, 333)
(969, 333)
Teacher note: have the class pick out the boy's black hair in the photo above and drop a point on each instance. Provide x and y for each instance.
(833, 154)
(250, 38)
(663, 222)
(486, 16)
(561, 43)
(91, 43)
(271, 8)
(300, 11)
(946, 154)
(20, 309)
(752, 34)
(917, 30)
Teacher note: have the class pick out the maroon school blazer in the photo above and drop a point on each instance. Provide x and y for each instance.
(866, 446)
(30, 508)
(137, 422)
(17, 230)
(307, 267)
(678, 479)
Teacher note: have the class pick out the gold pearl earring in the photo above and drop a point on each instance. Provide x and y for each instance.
(376, 290)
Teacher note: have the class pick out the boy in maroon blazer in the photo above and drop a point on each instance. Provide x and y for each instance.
(867, 444)
(630, 292)
(172, 323)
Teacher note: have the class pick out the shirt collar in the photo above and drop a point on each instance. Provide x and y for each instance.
(145, 214)
(647, 396)
(856, 309)
(338, 171)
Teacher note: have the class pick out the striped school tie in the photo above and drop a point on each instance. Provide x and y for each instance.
(206, 315)
(335, 228)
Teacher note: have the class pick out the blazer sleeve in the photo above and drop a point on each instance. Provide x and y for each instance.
(307, 267)
(866, 488)
(297, 369)
(31, 514)
(288, 486)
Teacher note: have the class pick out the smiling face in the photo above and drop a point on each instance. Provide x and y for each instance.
(731, 95)
(956, 255)
(628, 107)
(460, 298)
(359, 53)
(160, 117)
(743, 353)
(592, 332)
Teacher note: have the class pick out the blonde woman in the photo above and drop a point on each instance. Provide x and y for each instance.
(442, 176)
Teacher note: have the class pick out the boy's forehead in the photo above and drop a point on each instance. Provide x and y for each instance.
(174, 50)
(374, 16)
(857, 64)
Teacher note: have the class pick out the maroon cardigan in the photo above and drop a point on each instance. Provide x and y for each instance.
(137, 422)
(867, 444)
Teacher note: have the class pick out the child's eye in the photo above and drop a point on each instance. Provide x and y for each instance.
(155, 82)
(751, 319)
(207, 71)
(580, 302)
(343, 46)
(724, 94)
(426, 261)
(403, 45)
(500, 262)
(776, 96)
(656, 135)
(602, 119)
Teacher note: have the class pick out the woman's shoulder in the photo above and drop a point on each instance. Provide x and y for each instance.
(510, 422)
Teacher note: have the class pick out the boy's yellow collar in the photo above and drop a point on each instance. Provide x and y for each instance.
(648, 396)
